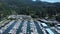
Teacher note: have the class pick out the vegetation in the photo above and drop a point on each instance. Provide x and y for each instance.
(58, 18)
(27, 7)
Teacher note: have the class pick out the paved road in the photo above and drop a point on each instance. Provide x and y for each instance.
(19, 29)
(9, 28)
(28, 28)
(38, 28)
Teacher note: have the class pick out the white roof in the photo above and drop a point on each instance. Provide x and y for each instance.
(58, 27)
(32, 33)
(44, 20)
(44, 24)
(49, 31)
(21, 33)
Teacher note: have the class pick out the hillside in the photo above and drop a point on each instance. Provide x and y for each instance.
(29, 7)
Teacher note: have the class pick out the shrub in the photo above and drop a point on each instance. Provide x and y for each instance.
(58, 18)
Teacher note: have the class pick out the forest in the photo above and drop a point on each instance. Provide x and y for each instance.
(37, 9)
